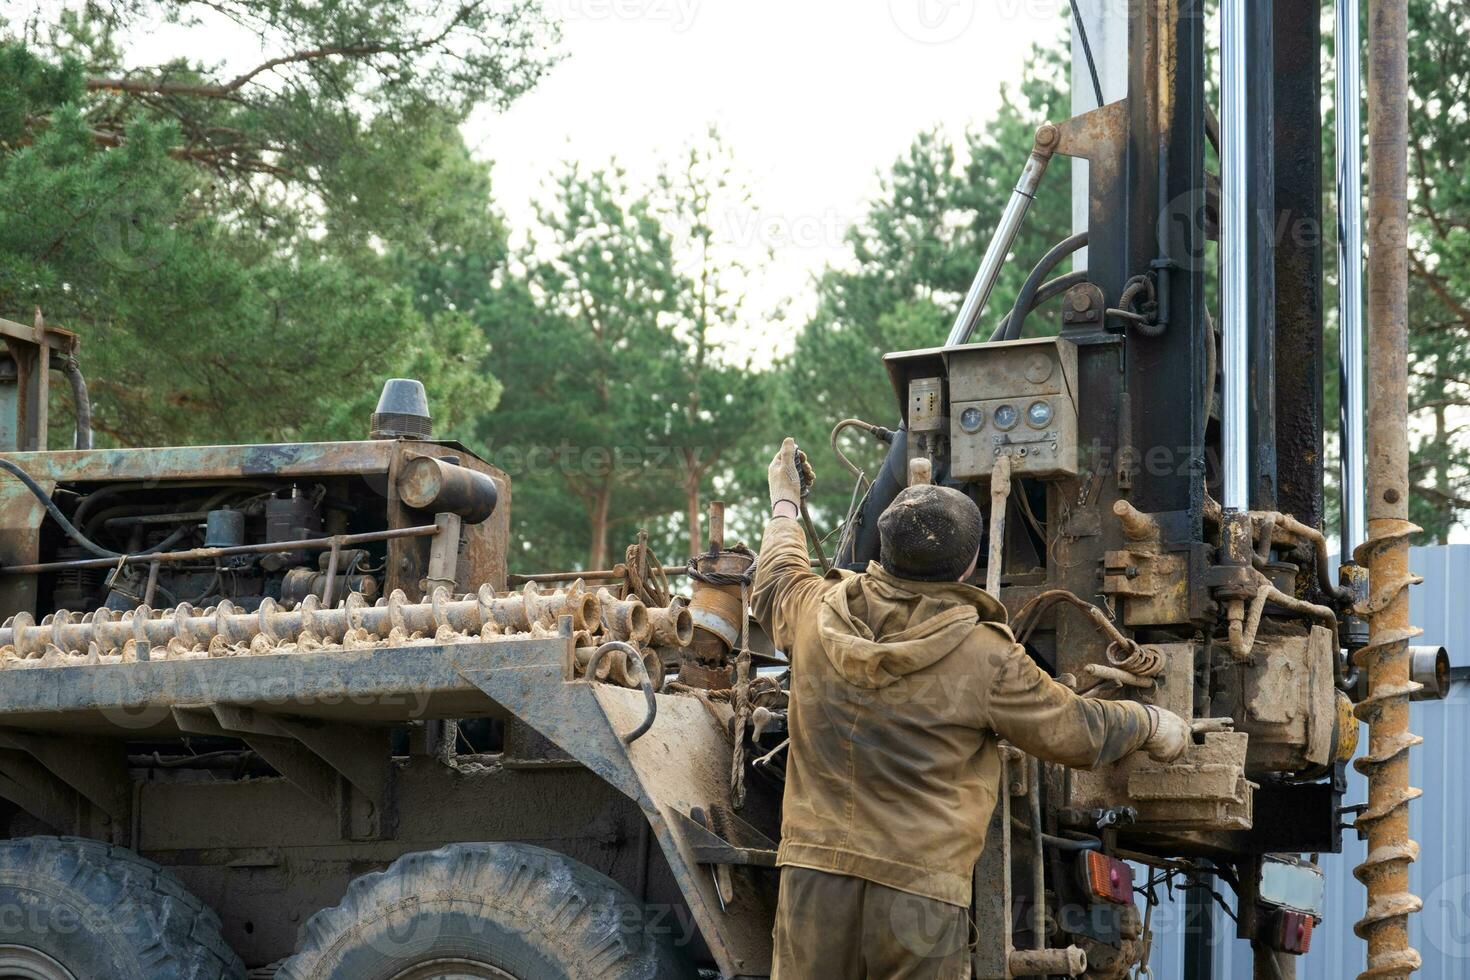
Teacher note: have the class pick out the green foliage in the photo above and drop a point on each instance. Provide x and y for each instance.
(1439, 284)
(249, 251)
(579, 410)
(914, 256)
(230, 244)
(625, 395)
(1439, 264)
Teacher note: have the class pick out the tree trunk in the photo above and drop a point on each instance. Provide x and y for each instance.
(1442, 464)
(1442, 469)
(691, 506)
(597, 516)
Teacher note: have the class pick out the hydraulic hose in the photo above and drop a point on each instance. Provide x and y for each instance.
(81, 403)
(1054, 288)
(861, 545)
(39, 492)
(1026, 298)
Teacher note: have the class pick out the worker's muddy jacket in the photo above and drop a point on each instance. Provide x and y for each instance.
(899, 693)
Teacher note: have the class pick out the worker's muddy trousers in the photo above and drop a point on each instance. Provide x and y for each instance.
(834, 927)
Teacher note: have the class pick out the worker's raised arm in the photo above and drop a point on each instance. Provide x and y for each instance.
(784, 580)
(1050, 721)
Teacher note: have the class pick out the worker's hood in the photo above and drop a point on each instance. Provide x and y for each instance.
(878, 628)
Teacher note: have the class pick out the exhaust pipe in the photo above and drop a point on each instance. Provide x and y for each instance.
(1429, 667)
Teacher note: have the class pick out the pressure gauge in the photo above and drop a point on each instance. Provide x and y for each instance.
(1039, 415)
(1006, 417)
(971, 419)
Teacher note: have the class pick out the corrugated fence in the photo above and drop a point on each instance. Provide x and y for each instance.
(1440, 821)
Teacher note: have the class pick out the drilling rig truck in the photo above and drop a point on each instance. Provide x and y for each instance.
(281, 711)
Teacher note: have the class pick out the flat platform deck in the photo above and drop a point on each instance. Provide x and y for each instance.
(383, 686)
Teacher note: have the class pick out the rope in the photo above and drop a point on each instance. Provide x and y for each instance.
(644, 575)
(741, 692)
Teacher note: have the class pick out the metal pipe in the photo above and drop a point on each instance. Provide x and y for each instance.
(329, 588)
(1386, 658)
(204, 554)
(1011, 219)
(1069, 962)
(1270, 525)
(1000, 494)
(1234, 251)
(594, 575)
(1431, 671)
(1350, 272)
(1038, 858)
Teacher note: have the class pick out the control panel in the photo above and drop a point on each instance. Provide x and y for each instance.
(1015, 398)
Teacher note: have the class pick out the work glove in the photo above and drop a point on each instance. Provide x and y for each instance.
(1168, 735)
(788, 473)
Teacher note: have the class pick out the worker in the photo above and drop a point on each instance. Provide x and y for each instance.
(904, 679)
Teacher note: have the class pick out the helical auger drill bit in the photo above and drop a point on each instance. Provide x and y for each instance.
(222, 629)
(1386, 659)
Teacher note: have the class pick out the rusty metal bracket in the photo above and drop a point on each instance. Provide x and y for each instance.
(68, 780)
(1094, 135)
(584, 720)
(37, 791)
(709, 848)
(342, 766)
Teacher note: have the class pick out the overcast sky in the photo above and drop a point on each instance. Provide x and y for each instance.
(814, 98)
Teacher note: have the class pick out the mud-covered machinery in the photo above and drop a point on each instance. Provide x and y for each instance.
(260, 693)
(281, 707)
(1152, 468)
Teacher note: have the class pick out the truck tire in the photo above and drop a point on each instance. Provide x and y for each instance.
(501, 911)
(75, 909)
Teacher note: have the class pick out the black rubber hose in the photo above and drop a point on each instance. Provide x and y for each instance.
(862, 544)
(39, 492)
(1026, 299)
(1050, 291)
(81, 402)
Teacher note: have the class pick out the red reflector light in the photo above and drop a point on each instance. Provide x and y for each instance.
(1294, 932)
(1107, 879)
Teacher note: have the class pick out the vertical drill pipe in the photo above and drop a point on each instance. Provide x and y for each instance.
(1005, 235)
(1038, 858)
(1350, 266)
(1235, 242)
(1386, 658)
